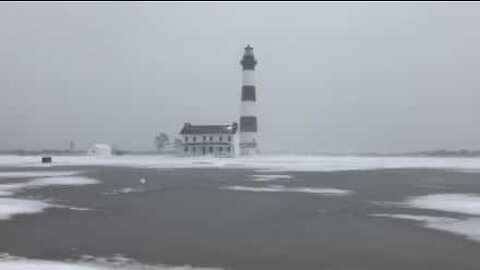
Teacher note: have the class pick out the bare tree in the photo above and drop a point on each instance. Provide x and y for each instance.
(161, 141)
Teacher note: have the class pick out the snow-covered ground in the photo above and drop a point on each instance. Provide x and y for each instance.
(262, 163)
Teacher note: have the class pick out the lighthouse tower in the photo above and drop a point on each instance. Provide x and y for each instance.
(248, 114)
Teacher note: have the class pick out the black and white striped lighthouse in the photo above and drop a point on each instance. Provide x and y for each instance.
(248, 114)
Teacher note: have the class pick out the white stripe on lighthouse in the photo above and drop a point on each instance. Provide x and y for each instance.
(249, 108)
(248, 77)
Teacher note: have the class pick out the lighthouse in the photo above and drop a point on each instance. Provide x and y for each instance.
(248, 113)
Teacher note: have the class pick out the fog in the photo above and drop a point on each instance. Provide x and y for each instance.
(331, 77)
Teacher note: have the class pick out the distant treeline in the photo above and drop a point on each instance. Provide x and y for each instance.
(43, 152)
(431, 153)
(57, 152)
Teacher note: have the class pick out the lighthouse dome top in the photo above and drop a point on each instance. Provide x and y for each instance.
(248, 61)
(249, 50)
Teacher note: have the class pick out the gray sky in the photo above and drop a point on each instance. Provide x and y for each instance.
(332, 77)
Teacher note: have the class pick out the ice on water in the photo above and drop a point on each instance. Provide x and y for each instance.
(467, 204)
(280, 188)
(87, 263)
(10, 207)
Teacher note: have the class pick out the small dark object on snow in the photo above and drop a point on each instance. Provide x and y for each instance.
(46, 159)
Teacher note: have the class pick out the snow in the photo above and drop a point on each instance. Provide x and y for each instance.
(31, 174)
(126, 190)
(269, 177)
(457, 203)
(428, 219)
(10, 207)
(469, 228)
(62, 181)
(467, 204)
(14, 206)
(12, 188)
(88, 263)
(275, 163)
(280, 188)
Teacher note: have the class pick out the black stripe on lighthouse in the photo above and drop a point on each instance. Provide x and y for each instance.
(248, 62)
(248, 93)
(248, 123)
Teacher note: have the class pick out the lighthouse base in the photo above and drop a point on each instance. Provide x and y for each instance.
(248, 148)
(249, 151)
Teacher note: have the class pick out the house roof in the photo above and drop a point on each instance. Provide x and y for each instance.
(209, 129)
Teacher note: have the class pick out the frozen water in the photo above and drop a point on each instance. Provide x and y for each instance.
(468, 204)
(87, 263)
(269, 177)
(10, 189)
(10, 207)
(32, 174)
(458, 203)
(62, 181)
(469, 228)
(279, 188)
(428, 219)
(126, 190)
(13, 206)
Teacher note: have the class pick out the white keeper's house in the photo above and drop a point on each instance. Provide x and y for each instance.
(228, 140)
(216, 140)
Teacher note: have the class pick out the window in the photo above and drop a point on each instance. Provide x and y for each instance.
(228, 149)
(204, 138)
(204, 150)
(186, 138)
(229, 138)
(220, 149)
(210, 149)
(211, 138)
(186, 149)
(221, 138)
(194, 149)
(194, 138)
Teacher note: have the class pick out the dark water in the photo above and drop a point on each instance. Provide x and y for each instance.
(183, 217)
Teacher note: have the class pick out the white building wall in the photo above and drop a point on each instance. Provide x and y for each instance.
(199, 144)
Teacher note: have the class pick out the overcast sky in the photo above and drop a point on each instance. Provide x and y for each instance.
(332, 77)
